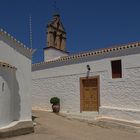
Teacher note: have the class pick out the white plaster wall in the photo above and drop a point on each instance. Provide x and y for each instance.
(22, 82)
(63, 81)
(63, 87)
(120, 98)
(50, 54)
(6, 95)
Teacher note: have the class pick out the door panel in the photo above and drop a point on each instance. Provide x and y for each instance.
(90, 94)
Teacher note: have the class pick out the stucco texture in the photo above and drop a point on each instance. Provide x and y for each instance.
(15, 99)
(119, 98)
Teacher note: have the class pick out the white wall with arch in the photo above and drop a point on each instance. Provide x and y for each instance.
(17, 83)
(8, 96)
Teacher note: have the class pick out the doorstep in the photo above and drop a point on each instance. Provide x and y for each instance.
(20, 128)
(86, 115)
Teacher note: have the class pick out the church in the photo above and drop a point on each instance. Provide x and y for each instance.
(97, 84)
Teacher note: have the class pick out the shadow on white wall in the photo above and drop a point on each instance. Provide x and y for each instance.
(9, 96)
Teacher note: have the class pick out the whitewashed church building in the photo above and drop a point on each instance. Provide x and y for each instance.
(15, 86)
(105, 82)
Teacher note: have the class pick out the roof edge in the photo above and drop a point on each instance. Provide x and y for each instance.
(46, 48)
(9, 36)
(6, 65)
(91, 53)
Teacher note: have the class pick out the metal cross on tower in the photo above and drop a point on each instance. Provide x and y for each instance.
(56, 9)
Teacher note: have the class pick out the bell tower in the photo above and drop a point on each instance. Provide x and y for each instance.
(56, 40)
(56, 35)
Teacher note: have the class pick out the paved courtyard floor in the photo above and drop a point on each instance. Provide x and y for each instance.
(53, 127)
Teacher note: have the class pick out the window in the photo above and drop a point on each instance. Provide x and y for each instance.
(116, 69)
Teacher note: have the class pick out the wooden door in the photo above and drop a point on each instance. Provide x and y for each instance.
(89, 94)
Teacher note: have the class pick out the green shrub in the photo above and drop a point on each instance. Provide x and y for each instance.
(55, 100)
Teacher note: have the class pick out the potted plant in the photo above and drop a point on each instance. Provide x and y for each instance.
(55, 101)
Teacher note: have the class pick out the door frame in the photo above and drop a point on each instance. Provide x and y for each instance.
(81, 91)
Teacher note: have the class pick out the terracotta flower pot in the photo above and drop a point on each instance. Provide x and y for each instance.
(56, 108)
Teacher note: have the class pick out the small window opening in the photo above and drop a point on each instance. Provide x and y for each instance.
(2, 86)
(61, 37)
(116, 69)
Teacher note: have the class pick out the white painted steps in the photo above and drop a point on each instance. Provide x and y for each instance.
(117, 124)
(94, 119)
(89, 116)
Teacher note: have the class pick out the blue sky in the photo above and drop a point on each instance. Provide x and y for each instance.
(90, 24)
